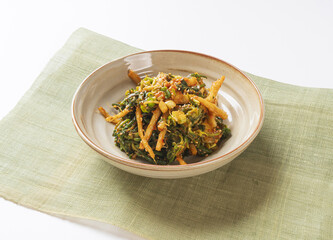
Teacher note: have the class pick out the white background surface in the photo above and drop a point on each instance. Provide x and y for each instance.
(288, 41)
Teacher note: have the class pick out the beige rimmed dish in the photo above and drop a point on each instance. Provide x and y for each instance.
(238, 96)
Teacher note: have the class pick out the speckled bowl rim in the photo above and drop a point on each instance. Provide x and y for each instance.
(152, 167)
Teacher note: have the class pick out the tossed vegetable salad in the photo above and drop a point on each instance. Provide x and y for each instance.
(168, 117)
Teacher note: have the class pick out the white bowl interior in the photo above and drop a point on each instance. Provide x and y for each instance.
(237, 96)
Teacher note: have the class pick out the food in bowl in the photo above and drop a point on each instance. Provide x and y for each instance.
(168, 117)
(239, 97)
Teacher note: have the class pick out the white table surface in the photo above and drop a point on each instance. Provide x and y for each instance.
(288, 41)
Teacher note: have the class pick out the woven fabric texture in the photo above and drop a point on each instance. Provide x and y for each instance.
(280, 188)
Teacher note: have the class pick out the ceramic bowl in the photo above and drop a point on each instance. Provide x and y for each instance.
(238, 96)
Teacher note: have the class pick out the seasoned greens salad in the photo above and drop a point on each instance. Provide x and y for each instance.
(168, 117)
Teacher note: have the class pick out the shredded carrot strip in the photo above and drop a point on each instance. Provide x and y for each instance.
(211, 107)
(161, 135)
(134, 76)
(214, 89)
(160, 140)
(103, 112)
(212, 98)
(193, 149)
(211, 120)
(138, 116)
(117, 116)
(181, 160)
(151, 125)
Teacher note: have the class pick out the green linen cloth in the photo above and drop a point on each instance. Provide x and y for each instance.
(279, 188)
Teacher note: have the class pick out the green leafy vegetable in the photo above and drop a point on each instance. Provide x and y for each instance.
(186, 124)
